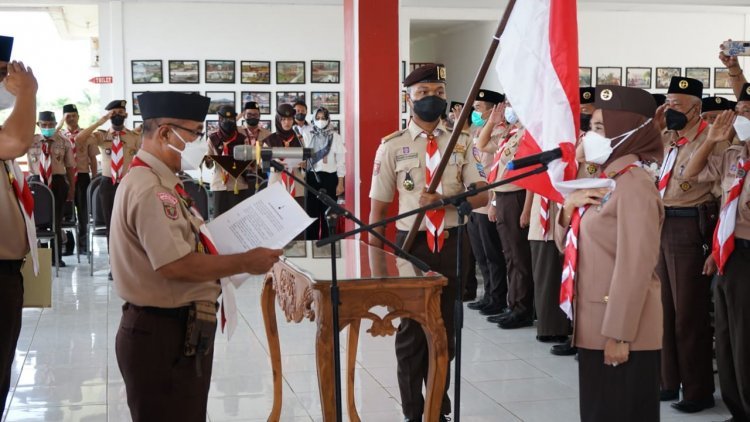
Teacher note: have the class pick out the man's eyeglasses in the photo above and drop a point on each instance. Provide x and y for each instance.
(198, 135)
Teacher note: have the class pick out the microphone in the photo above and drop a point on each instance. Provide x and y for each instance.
(295, 128)
(247, 153)
(542, 158)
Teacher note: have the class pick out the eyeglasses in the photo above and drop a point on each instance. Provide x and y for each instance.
(198, 135)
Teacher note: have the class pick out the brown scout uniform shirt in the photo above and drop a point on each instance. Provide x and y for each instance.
(723, 168)
(151, 227)
(485, 158)
(680, 192)
(84, 155)
(262, 134)
(14, 244)
(103, 140)
(508, 153)
(617, 292)
(405, 152)
(61, 153)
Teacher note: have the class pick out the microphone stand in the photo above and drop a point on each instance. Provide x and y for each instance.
(332, 213)
(464, 209)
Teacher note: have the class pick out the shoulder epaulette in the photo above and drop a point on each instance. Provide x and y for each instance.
(393, 135)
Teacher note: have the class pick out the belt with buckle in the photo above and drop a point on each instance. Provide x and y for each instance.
(180, 312)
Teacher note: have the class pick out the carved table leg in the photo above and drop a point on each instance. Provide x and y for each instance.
(437, 345)
(351, 363)
(324, 359)
(267, 304)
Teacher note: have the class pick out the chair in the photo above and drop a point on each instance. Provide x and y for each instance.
(199, 195)
(70, 221)
(96, 226)
(44, 218)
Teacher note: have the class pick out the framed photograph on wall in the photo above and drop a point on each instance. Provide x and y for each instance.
(266, 124)
(262, 98)
(608, 76)
(638, 77)
(403, 102)
(219, 71)
(325, 71)
(252, 72)
(403, 123)
(702, 74)
(721, 78)
(290, 97)
(584, 77)
(136, 123)
(218, 99)
(211, 126)
(336, 124)
(665, 74)
(184, 71)
(329, 100)
(290, 72)
(136, 106)
(147, 71)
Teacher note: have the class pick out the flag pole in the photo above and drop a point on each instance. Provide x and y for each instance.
(462, 118)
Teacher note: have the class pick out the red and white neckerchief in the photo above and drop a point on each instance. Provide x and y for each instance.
(71, 136)
(435, 219)
(724, 234)
(570, 259)
(45, 163)
(116, 160)
(666, 169)
(252, 138)
(495, 169)
(225, 151)
(544, 216)
(286, 179)
(26, 204)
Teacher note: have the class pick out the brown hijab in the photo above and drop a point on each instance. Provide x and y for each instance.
(646, 142)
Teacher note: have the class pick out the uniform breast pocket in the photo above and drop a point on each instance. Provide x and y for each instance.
(59, 153)
(409, 175)
(453, 177)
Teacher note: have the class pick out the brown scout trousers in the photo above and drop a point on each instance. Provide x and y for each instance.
(515, 241)
(547, 270)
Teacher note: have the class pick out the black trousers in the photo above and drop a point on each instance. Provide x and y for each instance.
(628, 392)
(547, 270)
(11, 306)
(488, 252)
(59, 187)
(515, 241)
(732, 301)
(225, 200)
(316, 209)
(161, 383)
(83, 180)
(107, 191)
(411, 344)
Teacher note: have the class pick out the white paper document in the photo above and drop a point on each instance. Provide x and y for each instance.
(569, 186)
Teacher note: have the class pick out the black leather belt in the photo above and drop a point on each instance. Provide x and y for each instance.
(681, 212)
(741, 243)
(180, 312)
(11, 266)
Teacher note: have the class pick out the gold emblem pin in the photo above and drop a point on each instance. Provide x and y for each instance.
(606, 95)
(408, 185)
(586, 95)
(481, 95)
(718, 100)
(122, 104)
(685, 186)
(441, 73)
(747, 90)
(683, 84)
(591, 169)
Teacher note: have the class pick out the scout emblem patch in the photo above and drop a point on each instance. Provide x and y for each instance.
(685, 186)
(169, 202)
(591, 169)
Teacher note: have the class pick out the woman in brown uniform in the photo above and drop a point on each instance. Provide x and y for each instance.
(616, 299)
(285, 137)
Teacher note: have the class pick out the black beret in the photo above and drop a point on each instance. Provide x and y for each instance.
(716, 104)
(285, 110)
(455, 103)
(745, 94)
(47, 116)
(116, 104)
(587, 95)
(227, 111)
(432, 72)
(490, 96)
(687, 86)
(251, 105)
(6, 47)
(70, 108)
(174, 105)
(620, 98)
(660, 99)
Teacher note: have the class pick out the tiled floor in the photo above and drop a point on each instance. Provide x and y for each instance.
(66, 370)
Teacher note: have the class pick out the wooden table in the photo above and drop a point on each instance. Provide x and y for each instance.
(368, 277)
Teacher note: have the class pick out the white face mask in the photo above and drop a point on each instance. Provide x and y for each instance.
(510, 116)
(192, 155)
(7, 100)
(742, 127)
(597, 148)
(321, 124)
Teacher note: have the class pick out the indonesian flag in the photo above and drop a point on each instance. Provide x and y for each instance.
(538, 68)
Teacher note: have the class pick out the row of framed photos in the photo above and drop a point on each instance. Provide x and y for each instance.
(642, 77)
(224, 72)
(213, 125)
(328, 99)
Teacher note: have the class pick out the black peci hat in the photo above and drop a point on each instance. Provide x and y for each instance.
(47, 116)
(251, 105)
(490, 96)
(432, 72)
(745, 94)
(70, 108)
(174, 105)
(586, 95)
(660, 99)
(716, 104)
(687, 86)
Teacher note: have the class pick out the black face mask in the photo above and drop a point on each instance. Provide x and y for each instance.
(228, 126)
(117, 120)
(676, 120)
(585, 122)
(300, 117)
(429, 109)
(253, 121)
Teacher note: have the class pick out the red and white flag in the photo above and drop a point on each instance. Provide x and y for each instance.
(538, 69)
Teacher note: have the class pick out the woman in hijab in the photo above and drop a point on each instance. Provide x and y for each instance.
(611, 252)
(325, 169)
(285, 137)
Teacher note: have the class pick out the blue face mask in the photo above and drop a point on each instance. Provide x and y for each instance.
(48, 132)
(476, 118)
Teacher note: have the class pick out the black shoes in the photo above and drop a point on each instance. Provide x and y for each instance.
(497, 318)
(565, 349)
(694, 406)
(109, 276)
(443, 418)
(62, 264)
(552, 339)
(669, 395)
(492, 309)
(478, 304)
(516, 320)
